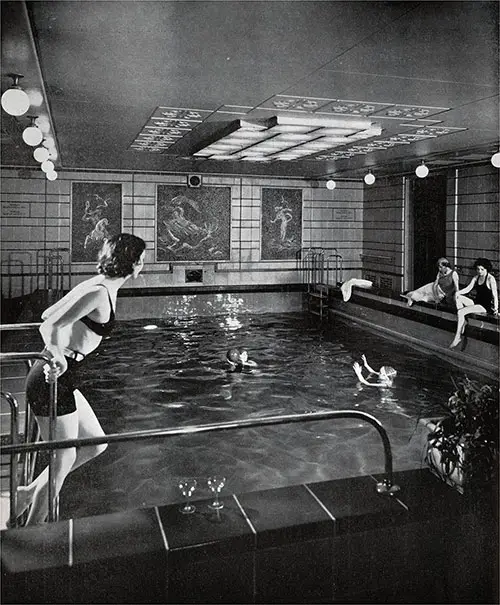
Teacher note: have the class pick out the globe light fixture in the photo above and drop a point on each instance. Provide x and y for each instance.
(14, 100)
(43, 123)
(32, 135)
(369, 178)
(51, 176)
(35, 97)
(495, 159)
(47, 166)
(41, 154)
(331, 184)
(49, 142)
(422, 171)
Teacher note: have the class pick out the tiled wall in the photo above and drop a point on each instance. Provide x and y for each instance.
(36, 216)
(366, 226)
(383, 233)
(471, 224)
(476, 194)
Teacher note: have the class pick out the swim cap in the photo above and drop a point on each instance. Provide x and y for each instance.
(233, 355)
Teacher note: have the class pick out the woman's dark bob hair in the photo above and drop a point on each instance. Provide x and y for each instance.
(483, 262)
(119, 254)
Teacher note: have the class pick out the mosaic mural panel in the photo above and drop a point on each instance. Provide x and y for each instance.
(193, 224)
(96, 214)
(281, 233)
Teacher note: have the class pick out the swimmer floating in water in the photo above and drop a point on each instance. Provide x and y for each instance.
(238, 359)
(386, 374)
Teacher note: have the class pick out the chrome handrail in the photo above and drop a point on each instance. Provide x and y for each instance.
(52, 419)
(14, 439)
(385, 487)
(20, 326)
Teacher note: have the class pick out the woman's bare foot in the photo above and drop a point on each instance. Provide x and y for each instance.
(456, 341)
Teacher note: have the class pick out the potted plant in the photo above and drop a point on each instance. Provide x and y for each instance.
(462, 447)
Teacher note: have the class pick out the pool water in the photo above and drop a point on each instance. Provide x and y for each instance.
(176, 375)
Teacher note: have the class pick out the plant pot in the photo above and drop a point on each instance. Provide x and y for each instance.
(455, 478)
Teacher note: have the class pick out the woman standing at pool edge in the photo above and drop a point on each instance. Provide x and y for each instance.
(486, 299)
(73, 328)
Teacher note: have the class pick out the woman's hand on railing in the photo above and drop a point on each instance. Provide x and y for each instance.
(56, 368)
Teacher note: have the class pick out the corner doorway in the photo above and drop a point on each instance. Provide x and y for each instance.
(428, 203)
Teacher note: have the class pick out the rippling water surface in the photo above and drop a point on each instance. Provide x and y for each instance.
(176, 375)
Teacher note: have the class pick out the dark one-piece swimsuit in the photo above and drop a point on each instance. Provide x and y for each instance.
(484, 296)
(38, 390)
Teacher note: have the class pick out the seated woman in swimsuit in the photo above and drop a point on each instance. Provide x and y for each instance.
(72, 329)
(443, 289)
(485, 299)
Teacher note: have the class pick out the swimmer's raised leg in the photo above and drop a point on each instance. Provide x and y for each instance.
(346, 287)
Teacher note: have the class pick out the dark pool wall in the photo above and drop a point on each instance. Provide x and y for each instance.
(328, 542)
(168, 303)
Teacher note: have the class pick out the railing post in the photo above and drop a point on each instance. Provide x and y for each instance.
(14, 436)
(52, 498)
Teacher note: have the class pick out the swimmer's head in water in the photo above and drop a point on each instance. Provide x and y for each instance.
(233, 356)
(387, 374)
(243, 355)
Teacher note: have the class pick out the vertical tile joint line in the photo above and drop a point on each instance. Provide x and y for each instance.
(455, 221)
(70, 543)
(319, 502)
(245, 516)
(162, 529)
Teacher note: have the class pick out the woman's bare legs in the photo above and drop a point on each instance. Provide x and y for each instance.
(80, 424)
(465, 307)
(422, 294)
(346, 287)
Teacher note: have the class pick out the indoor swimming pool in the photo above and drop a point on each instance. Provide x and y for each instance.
(172, 372)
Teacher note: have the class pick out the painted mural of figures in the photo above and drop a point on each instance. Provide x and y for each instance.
(284, 215)
(99, 231)
(95, 215)
(183, 233)
(98, 234)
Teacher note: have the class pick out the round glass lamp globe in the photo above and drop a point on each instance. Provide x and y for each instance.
(49, 142)
(369, 178)
(495, 159)
(32, 136)
(422, 171)
(47, 166)
(43, 123)
(15, 102)
(331, 184)
(51, 176)
(41, 154)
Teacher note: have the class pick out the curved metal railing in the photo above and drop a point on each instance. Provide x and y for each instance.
(14, 439)
(386, 486)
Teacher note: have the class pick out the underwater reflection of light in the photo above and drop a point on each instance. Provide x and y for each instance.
(151, 327)
(231, 323)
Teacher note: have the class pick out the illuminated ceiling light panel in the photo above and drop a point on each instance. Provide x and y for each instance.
(285, 137)
(294, 137)
(333, 131)
(291, 128)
